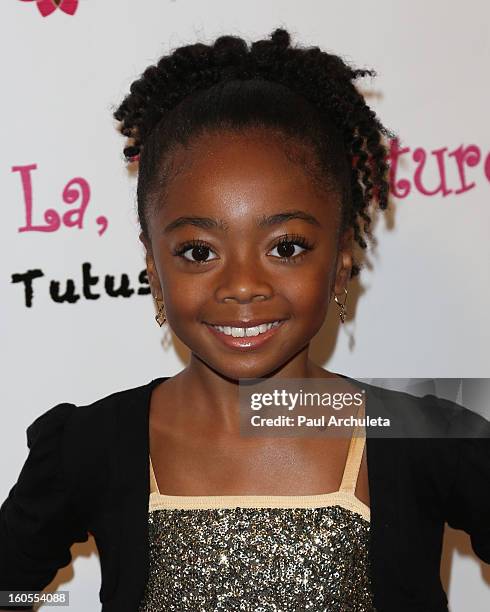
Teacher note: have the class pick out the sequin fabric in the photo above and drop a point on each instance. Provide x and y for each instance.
(258, 560)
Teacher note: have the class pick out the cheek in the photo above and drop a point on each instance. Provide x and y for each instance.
(311, 282)
(309, 288)
(184, 294)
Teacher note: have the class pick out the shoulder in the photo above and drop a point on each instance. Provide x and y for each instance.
(103, 412)
(433, 440)
(87, 439)
(97, 415)
(92, 428)
(426, 416)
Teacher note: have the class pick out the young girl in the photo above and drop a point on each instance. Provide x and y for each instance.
(257, 168)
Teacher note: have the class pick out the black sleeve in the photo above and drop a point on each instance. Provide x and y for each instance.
(38, 523)
(468, 506)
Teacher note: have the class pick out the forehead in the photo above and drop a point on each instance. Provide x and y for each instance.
(234, 172)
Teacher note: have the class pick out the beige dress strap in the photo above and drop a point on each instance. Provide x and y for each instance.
(354, 456)
(153, 481)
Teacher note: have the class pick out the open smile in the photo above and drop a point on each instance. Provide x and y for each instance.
(245, 337)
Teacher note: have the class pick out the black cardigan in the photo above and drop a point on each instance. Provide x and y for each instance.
(87, 472)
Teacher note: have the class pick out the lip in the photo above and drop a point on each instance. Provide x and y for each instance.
(246, 343)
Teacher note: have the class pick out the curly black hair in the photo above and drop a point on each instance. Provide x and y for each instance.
(302, 93)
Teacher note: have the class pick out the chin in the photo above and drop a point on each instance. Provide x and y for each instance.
(240, 369)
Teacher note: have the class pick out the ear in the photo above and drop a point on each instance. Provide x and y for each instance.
(156, 289)
(344, 262)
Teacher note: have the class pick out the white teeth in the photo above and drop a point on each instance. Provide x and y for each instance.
(253, 331)
(241, 332)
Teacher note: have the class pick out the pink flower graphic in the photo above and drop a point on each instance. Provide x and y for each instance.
(46, 7)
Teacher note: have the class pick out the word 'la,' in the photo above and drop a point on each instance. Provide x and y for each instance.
(75, 190)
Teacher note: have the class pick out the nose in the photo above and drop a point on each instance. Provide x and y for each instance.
(243, 282)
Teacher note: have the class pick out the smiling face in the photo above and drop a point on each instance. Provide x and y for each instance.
(244, 233)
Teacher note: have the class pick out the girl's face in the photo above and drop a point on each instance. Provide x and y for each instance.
(213, 254)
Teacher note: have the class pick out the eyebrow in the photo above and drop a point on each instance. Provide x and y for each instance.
(261, 222)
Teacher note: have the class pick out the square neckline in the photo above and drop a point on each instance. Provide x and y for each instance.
(345, 493)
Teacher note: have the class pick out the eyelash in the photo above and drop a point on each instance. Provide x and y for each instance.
(286, 239)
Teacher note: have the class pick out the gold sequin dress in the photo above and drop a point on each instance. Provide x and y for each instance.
(261, 553)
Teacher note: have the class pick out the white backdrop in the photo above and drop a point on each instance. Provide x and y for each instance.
(420, 311)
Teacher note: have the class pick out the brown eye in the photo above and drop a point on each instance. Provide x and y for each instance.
(286, 248)
(199, 252)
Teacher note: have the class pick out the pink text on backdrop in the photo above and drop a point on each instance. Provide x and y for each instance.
(463, 157)
(75, 190)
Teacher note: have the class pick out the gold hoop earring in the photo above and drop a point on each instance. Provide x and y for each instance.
(160, 317)
(343, 310)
